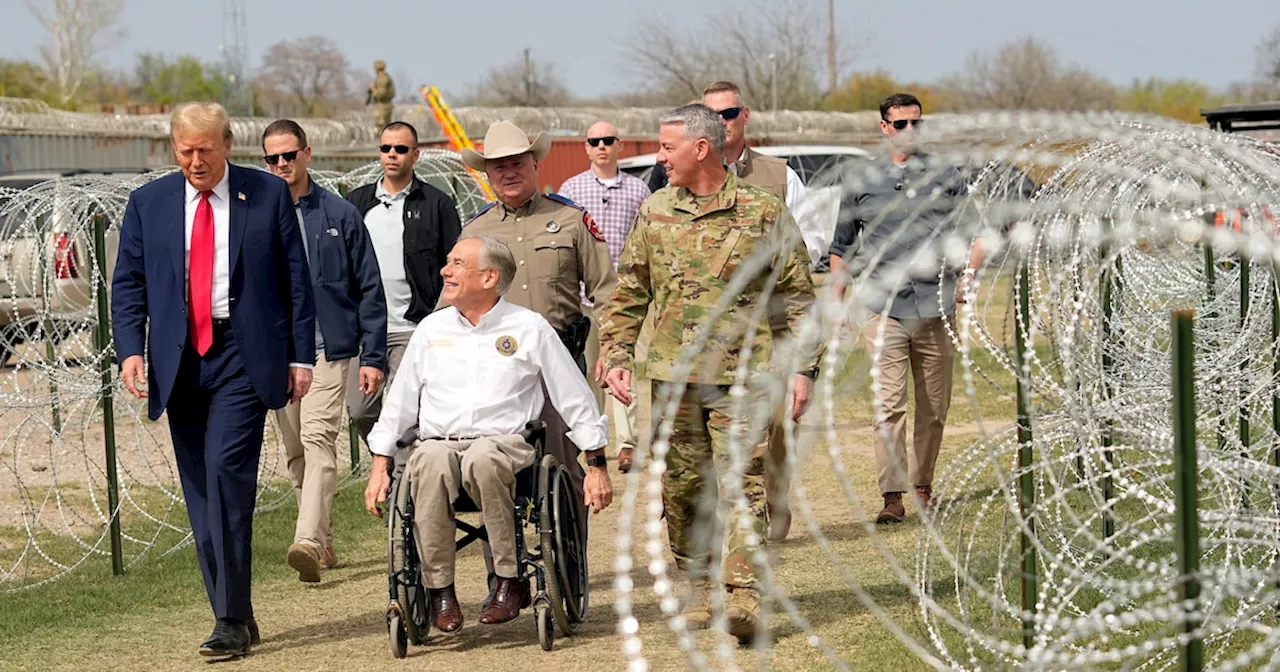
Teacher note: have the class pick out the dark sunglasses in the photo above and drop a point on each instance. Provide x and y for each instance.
(273, 159)
(902, 123)
(400, 149)
(608, 141)
(730, 113)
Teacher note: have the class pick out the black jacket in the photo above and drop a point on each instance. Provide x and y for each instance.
(431, 227)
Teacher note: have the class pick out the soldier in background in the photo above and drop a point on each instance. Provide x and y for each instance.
(381, 93)
(688, 242)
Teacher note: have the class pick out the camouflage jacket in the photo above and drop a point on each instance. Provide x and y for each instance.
(383, 90)
(679, 261)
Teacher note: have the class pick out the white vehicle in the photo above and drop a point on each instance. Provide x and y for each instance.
(818, 167)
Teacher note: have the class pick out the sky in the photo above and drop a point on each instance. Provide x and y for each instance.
(450, 45)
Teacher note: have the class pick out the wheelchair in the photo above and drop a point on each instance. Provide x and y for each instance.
(556, 564)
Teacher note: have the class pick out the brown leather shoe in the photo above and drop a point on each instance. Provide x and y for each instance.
(625, 456)
(510, 597)
(892, 511)
(442, 604)
(924, 497)
(305, 558)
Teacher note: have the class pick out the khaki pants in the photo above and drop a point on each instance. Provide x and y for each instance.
(486, 468)
(309, 430)
(365, 409)
(922, 347)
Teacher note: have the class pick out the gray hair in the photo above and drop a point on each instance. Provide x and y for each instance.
(699, 122)
(496, 255)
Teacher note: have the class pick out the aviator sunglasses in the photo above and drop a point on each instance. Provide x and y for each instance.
(273, 159)
(900, 124)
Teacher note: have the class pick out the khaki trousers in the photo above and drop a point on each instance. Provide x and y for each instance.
(624, 417)
(922, 347)
(365, 409)
(486, 468)
(309, 430)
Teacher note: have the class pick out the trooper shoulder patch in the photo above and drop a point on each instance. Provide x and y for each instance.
(506, 345)
(591, 226)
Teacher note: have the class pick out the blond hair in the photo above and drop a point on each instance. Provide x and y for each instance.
(201, 118)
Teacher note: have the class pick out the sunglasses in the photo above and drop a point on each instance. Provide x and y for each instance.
(900, 124)
(400, 149)
(273, 159)
(731, 113)
(608, 141)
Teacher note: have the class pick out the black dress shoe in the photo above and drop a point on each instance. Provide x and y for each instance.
(229, 638)
(255, 638)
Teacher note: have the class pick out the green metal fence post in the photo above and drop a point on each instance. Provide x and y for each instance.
(1110, 287)
(1027, 489)
(105, 367)
(1185, 476)
(45, 283)
(354, 436)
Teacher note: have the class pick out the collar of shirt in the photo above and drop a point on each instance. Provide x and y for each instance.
(524, 209)
(489, 319)
(386, 197)
(305, 201)
(606, 182)
(221, 190)
(724, 199)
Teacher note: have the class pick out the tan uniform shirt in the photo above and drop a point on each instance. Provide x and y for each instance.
(556, 246)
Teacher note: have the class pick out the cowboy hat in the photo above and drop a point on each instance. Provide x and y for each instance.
(505, 139)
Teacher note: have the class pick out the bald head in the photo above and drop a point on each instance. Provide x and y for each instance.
(604, 154)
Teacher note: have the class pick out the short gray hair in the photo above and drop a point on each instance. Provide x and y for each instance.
(496, 255)
(699, 122)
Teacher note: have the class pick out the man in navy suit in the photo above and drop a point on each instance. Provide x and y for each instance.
(212, 259)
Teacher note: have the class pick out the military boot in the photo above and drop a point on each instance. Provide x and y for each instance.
(742, 612)
(697, 612)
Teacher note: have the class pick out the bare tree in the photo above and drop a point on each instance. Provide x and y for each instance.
(771, 50)
(312, 69)
(78, 30)
(1269, 58)
(1025, 75)
(524, 81)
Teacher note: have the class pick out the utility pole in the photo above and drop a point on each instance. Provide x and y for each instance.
(237, 96)
(832, 75)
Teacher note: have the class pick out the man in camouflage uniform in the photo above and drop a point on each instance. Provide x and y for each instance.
(381, 92)
(688, 243)
(558, 249)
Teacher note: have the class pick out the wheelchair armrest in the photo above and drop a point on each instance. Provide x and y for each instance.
(534, 431)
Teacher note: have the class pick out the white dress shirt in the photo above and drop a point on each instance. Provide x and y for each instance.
(460, 380)
(220, 201)
(805, 214)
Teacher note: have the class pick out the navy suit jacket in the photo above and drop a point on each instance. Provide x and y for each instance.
(271, 303)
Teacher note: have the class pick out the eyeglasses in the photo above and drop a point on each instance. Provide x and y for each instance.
(400, 149)
(900, 124)
(730, 113)
(608, 141)
(273, 159)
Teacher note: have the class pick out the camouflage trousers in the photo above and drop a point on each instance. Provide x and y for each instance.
(381, 115)
(698, 465)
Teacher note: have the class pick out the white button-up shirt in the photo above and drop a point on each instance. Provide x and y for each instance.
(460, 380)
(220, 201)
(804, 212)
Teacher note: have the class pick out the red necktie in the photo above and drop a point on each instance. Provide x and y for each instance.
(200, 284)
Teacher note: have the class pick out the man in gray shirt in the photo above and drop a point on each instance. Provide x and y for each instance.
(895, 226)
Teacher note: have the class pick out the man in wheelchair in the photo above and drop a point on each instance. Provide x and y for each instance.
(470, 380)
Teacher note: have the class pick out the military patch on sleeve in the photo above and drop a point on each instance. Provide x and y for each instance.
(591, 226)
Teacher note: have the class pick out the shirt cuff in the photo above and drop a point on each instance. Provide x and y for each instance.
(592, 437)
(381, 444)
(299, 365)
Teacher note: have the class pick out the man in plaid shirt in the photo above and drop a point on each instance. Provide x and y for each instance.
(613, 198)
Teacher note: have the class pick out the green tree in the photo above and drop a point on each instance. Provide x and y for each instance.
(865, 91)
(23, 79)
(162, 80)
(1180, 99)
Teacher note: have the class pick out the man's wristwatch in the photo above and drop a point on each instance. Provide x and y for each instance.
(597, 461)
(811, 374)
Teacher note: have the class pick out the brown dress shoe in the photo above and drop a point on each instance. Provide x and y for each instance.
(924, 497)
(442, 604)
(892, 511)
(625, 456)
(305, 558)
(511, 596)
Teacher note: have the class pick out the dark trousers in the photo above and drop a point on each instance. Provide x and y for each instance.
(216, 420)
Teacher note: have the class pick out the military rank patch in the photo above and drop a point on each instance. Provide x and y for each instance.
(553, 226)
(591, 226)
(506, 346)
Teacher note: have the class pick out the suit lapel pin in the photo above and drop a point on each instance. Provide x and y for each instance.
(240, 195)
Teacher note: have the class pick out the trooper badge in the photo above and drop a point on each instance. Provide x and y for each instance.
(553, 227)
(506, 346)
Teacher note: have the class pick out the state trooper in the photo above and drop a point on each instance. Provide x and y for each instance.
(558, 250)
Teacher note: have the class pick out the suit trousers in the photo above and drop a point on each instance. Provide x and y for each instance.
(922, 347)
(216, 421)
(486, 468)
(365, 408)
(309, 430)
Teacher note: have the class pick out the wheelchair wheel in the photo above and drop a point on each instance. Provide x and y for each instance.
(404, 570)
(397, 637)
(546, 631)
(563, 547)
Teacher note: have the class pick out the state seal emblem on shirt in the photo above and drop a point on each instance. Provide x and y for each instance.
(506, 346)
(553, 227)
